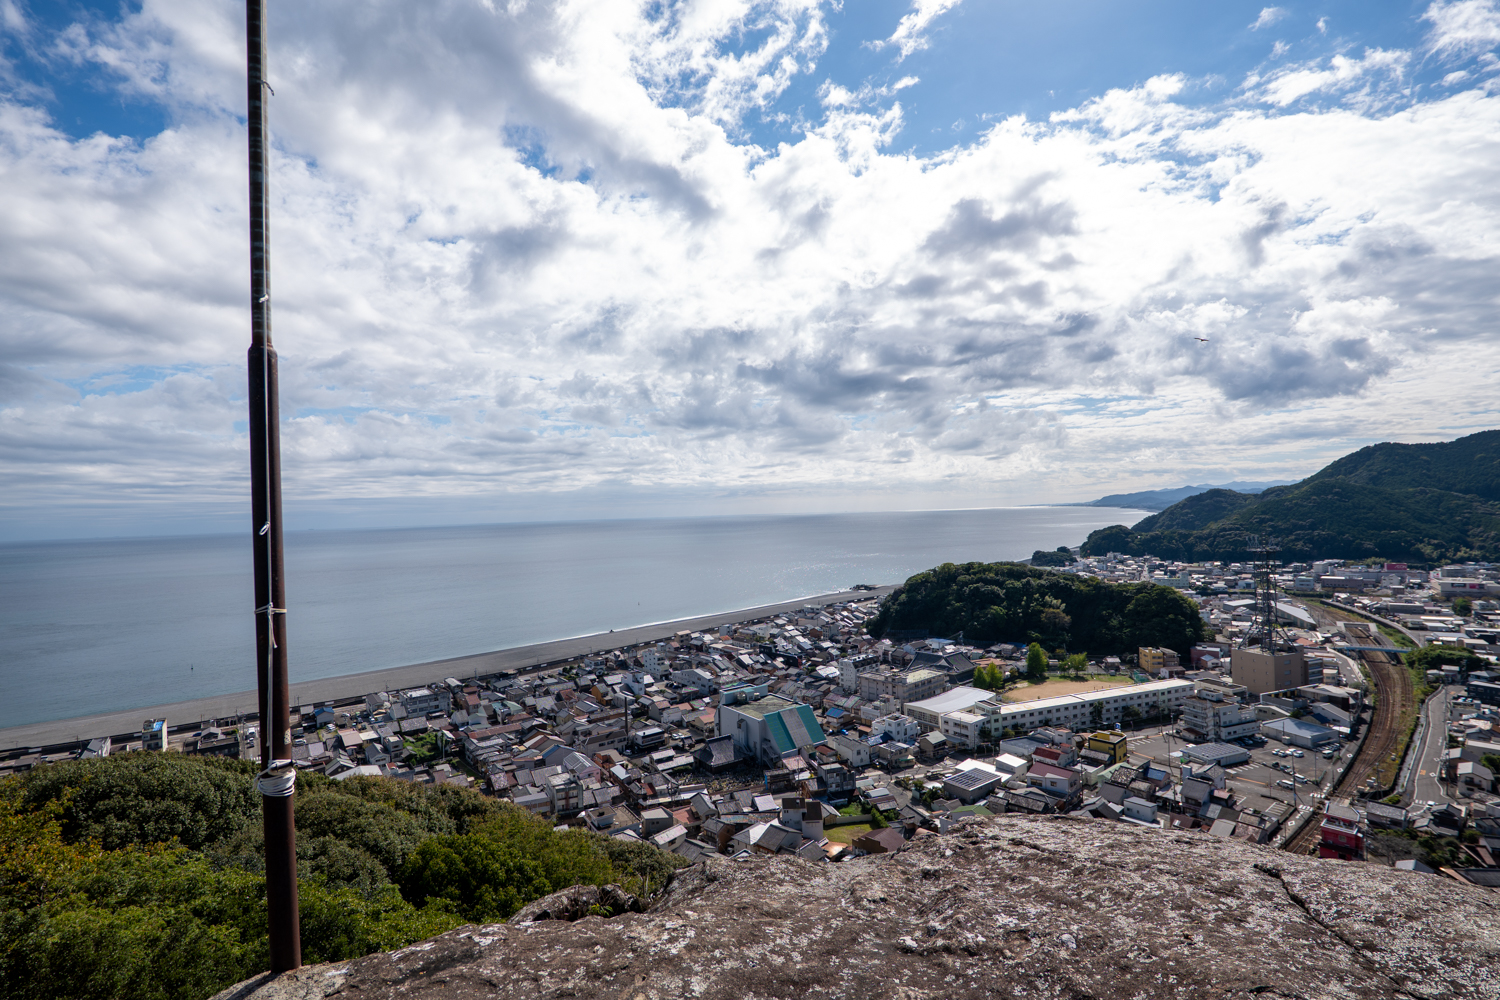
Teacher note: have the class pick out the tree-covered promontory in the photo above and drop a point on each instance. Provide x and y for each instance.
(1011, 602)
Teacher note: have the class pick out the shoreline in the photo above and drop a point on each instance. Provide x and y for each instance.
(57, 733)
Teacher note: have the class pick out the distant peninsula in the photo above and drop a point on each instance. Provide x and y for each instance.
(1162, 499)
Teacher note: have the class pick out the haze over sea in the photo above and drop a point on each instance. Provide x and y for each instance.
(102, 625)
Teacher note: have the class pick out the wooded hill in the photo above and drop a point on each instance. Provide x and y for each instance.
(1418, 503)
(1010, 602)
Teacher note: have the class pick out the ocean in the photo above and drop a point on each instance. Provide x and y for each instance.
(101, 625)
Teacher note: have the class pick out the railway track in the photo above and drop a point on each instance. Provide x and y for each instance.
(1395, 699)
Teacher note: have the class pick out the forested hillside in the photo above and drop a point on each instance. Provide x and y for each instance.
(1009, 602)
(1422, 504)
(142, 875)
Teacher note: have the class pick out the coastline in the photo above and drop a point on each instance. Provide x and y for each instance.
(57, 732)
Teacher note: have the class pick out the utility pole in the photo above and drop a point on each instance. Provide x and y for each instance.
(278, 778)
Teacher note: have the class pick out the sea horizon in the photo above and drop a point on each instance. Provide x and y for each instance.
(94, 625)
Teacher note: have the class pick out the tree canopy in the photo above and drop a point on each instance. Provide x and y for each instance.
(142, 874)
(1010, 602)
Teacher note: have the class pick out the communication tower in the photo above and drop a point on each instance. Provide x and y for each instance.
(1265, 631)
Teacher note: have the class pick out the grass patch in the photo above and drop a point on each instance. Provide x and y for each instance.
(846, 834)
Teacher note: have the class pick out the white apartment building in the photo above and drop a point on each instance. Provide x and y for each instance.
(901, 728)
(963, 728)
(1211, 718)
(1075, 711)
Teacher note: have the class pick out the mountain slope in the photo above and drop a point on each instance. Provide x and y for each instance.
(1468, 465)
(1197, 511)
(1414, 503)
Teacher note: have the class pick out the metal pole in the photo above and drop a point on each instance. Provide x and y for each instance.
(277, 779)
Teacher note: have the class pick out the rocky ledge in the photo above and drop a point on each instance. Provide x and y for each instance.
(1035, 908)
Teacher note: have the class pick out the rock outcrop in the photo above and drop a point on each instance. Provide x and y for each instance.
(1034, 908)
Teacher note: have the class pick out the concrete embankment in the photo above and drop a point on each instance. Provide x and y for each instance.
(56, 736)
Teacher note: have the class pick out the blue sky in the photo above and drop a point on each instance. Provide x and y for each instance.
(739, 255)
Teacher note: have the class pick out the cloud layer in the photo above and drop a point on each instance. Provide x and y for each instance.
(527, 247)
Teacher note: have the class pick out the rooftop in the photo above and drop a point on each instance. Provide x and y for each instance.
(958, 699)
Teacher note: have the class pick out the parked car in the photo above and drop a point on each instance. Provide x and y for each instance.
(1298, 753)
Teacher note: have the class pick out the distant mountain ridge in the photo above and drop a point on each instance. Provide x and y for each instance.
(1162, 499)
(1419, 503)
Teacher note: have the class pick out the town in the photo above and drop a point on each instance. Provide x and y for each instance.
(803, 734)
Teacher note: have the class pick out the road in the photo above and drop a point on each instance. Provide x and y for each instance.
(519, 658)
(1423, 785)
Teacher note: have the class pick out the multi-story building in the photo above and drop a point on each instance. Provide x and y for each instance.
(420, 702)
(966, 729)
(1115, 745)
(1342, 833)
(1261, 672)
(1077, 711)
(154, 734)
(1153, 661)
(902, 685)
(902, 728)
(1209, 717)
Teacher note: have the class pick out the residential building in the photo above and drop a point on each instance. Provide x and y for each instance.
(1114, 744)
(887, 840)
(421, 702)
(154, 734)
(1208, 716)
(902, 728)
(1061, 782)
(1158, 662)
(1342, 833)
(964, 729)
(901, 685)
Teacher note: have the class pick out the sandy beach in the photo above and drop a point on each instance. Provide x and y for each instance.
(126, 724)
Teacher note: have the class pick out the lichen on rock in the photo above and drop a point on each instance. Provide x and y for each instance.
(1049, 907)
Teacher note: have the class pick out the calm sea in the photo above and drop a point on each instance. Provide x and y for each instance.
(94, 626)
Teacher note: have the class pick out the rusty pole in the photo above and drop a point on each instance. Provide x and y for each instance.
(277, 780)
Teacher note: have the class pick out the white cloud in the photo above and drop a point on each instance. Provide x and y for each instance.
(1268, 16)
(1373, 80)
(1463, 27)
(1322, 25)
(526, 250)
(910, 34)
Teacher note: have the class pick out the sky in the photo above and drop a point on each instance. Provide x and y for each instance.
(589, 259)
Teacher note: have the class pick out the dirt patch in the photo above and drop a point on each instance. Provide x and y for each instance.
(1054, 689)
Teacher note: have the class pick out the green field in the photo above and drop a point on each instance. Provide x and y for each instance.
(846, 834)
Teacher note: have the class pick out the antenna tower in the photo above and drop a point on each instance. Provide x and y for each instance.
(1266, 630)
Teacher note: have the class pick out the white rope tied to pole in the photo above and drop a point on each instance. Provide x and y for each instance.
(277, 781)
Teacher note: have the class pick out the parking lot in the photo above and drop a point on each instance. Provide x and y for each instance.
(1255, 782)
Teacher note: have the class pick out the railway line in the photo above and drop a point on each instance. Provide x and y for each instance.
(1394, 702)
